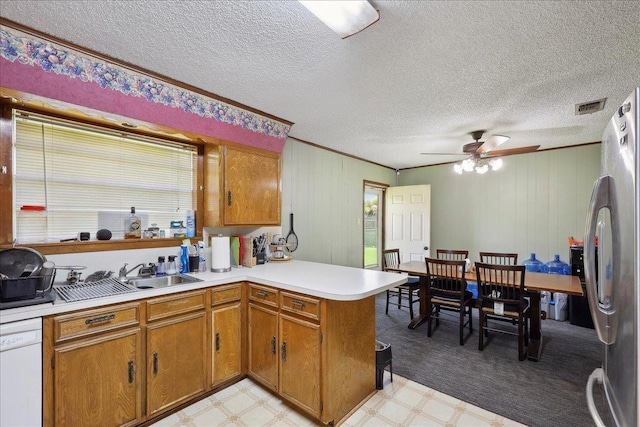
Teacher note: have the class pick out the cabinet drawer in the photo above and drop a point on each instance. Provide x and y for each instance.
(264, 295)
(162, 307)
(224, 294)
(89, 322)
(302, 305)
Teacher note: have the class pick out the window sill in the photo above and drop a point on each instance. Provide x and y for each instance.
(102, 245)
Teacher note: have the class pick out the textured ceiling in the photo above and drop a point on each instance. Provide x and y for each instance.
(420, 79)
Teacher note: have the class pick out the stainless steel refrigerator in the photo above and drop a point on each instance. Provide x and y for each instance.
(614, 301)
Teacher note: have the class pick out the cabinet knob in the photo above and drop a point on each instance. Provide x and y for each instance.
(273, 344)
(217, 341)
(228, 198)
(283, 351)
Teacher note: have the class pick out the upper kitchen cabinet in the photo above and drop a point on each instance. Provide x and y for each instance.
(249, 186)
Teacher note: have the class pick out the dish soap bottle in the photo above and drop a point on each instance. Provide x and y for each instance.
(132, 225)
(184, 259)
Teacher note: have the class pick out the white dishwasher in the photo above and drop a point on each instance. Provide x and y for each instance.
(21, 373)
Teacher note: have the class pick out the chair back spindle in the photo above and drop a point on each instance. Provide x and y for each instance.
(501, 258)
(452, 254)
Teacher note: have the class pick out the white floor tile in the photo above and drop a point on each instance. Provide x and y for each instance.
(401, 403)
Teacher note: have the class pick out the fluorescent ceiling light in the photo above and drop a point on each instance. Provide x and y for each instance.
(346, 18)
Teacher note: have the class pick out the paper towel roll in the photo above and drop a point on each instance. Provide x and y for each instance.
(220, 254)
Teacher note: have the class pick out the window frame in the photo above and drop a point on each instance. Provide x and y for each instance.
(85, 117)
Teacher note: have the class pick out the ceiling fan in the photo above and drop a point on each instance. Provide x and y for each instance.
(478, 151)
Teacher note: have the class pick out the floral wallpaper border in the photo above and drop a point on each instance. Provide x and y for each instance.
(18, 46)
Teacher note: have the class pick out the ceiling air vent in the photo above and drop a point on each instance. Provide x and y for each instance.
(590, 107)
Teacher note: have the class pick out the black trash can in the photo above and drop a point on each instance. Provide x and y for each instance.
(579, 313)
(383, 358)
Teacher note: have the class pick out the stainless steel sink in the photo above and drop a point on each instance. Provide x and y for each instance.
(162, 281)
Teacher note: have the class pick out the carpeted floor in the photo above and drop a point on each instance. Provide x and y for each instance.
(547, 393)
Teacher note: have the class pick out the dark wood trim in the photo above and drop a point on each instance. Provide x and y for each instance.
(137, 69)
(533, 152)
(55, 248)
(6, 171)
(339, 152)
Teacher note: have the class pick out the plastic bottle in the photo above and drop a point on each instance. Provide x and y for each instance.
(202, 266)
(161, 268)
(184, 259)
(191, 223)
(557, 267)
(532, 264)
(171, 265)
(132, 225)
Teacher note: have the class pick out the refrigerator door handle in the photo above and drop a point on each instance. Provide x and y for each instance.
(597, 376)
(604, 318)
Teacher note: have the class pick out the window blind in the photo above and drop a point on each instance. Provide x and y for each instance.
(86, 179)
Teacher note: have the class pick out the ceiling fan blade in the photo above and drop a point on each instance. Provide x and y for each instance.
(511, 151)
(491, 143)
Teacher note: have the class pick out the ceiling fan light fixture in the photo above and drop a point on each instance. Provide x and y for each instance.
(345, 18)
(482, 169)
(468, 165)
(495, 164)
(458, 168)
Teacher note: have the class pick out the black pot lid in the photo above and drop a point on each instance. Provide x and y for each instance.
(14, 261)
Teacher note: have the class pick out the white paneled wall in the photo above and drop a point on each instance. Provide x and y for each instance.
(324, 190)
(533, 204)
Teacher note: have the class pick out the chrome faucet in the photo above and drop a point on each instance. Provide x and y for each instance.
(123, 271)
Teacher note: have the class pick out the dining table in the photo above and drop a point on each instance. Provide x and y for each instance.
(534, 283)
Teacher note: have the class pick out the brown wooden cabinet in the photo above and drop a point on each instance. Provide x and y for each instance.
(93, 371)
(126, 363)
(176, 350)
(318, 354)
(263, 345)
(300, 363)
(242, 186)
(226, 330)
(251, 193)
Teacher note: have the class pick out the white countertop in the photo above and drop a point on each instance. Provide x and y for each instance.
(328, 281)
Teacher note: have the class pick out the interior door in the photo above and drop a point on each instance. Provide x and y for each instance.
(407, 221)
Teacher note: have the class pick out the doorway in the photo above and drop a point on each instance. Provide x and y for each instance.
(373, 225)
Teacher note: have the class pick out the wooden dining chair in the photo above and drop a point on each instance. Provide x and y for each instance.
(452, 254)
(448, 291)
(406, 293)
(501, 298)
(501, 258)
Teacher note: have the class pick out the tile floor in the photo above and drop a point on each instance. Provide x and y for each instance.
(401, 403)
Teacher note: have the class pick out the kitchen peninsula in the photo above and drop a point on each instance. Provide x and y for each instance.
(304, 330)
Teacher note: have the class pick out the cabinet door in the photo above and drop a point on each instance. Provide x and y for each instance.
(175, 361)
(252, 188)
(97, 382)
(263, 345)
(300, 363)
(226, 359)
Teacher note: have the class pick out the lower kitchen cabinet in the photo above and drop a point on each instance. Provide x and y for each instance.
(124, 364)
(93, 372)
(226, 329)
(318, 354)
(176, 350)
(263, 345)
(300, 363)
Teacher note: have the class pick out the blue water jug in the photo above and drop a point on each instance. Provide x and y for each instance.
(532, 264)
(557, 267)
